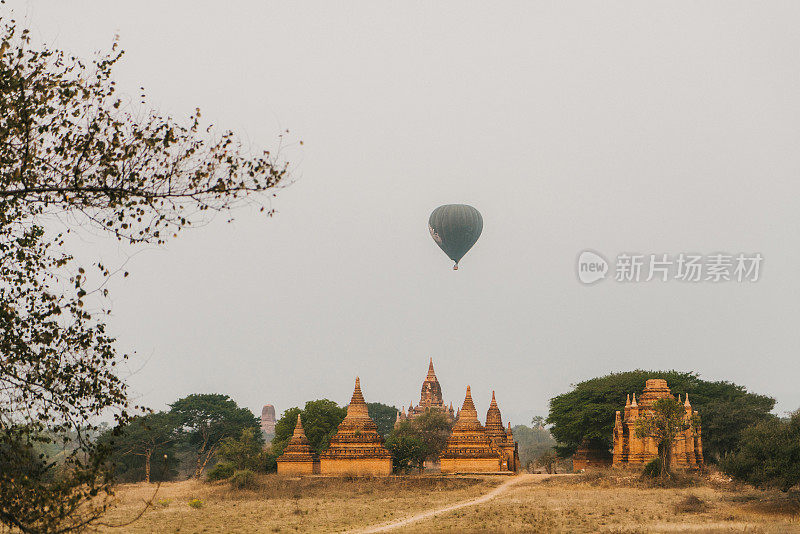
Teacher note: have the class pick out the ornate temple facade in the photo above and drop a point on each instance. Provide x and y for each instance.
(298, 457)
(430, 399)
(629, 450)
(356, 448)
(471, 448)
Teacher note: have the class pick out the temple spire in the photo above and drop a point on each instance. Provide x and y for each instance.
(686, 404)
(633, 404)
(357, 409)
(628, 401)
(431, 372)
(298, 429)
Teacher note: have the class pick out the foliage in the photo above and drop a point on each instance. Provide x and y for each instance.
(664, 423)
(221, 471)
(383, 415)
(432, 429)
(538, 421)
(195, 503)
(533, 442)
(320, 419)
(270, 462)
(144, 439)
(408, 451)
(548, 460)
(653, 468)
(769, 454)
(74, 154)
(207, 419)
(245, 451)
(588, 410)
(244, 479)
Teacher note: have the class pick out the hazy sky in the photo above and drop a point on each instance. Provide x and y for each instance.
(649, 127)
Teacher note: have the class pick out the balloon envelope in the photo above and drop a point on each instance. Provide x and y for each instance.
(455, 228)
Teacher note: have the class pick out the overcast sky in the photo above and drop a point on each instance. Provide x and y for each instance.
(657, 127)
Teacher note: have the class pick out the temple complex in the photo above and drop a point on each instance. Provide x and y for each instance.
(629, 450)
(356, 448)
(469, 448)
(430, 399)
(298, 458)
(501, 436)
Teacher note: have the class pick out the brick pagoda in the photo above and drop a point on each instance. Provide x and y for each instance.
(430, 399)
(356, 448)
(298, 458)
(629, 450)
(502, 437)
(469, 448)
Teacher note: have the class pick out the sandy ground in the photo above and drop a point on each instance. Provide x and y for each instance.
(525, 503)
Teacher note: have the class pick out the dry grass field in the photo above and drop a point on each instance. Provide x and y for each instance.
(313, 504)
(594, 502)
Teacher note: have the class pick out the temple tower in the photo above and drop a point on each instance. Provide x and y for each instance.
(469, 448)
(268, 419)
(298, 458)
(356, 448)
(630, 450)
(430, 398)
(502, 437)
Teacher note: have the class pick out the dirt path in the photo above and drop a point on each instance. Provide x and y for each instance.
(398, 523)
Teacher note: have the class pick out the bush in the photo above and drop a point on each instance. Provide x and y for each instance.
(691, 504)
(244, 480)
(196, 503)
(769, 455)
(269, 462)
(221, 471)
(652, 469)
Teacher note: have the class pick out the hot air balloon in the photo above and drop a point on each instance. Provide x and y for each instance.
(455, 228)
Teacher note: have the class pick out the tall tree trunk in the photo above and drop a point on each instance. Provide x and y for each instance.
(147, 454)
(198, 470)
(665, 449)
(203, 465)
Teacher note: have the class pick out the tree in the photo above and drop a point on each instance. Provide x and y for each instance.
(383, 415)
(588, 410)
(768, 454)
(207, 419)
(664, 423)
(137, 443)
(408, 451)
(431, 429)
(321, 419)
(75, 154)
(548, 460)
(538, 421)
(533, 442)
(245, 451)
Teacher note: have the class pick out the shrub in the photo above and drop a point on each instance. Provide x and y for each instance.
(269, 462)
(769, 456)
(244, 480)
(691, 504)
(652, 469)
(196, 503)
(221, 471)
